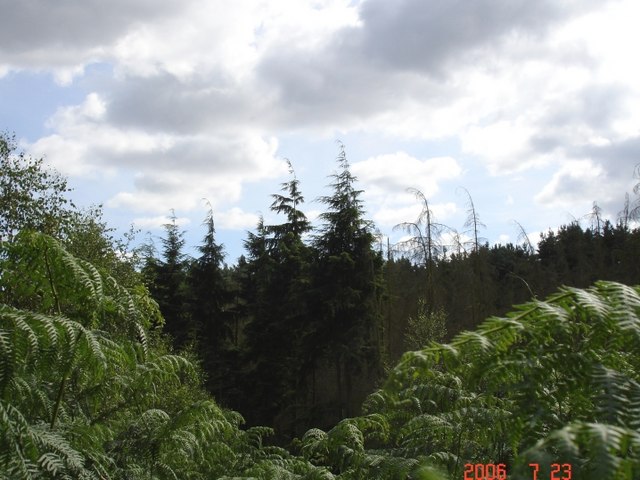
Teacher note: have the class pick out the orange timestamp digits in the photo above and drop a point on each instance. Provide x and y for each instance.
(482, 471)
(559, 471)
(492, 471)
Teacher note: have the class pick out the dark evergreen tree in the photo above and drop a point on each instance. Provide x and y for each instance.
(347, 289)
(209, 300)
(167, 282)
(279, 320)
(288, 204)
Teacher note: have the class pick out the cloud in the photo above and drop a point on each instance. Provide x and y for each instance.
(198, 92)
(65, 36)
(504, 238)
(184, 186)
(386, 178)
(503, 145)
(393, 173)
(232, 219)
(426, 36)
(236, 219)
(170, 170)
(389, 216)
(579, 181)
(157, 222)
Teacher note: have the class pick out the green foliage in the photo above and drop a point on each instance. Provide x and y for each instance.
(554, 381)
(88, 389)
(208, 298)
(31, 197)
(425, 327)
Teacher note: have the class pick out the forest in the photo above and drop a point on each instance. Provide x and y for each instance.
(320, 353)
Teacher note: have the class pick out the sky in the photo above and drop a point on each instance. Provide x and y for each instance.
(533, 108)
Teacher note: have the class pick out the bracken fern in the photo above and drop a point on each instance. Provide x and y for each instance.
(88, 390)
(554, 381)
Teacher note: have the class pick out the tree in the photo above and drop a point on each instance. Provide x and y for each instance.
(31, 196)
(473, 222)
(88, 391)
(425, 327)
(596, 219)
(91, 239)
(208, 299)
(555, 381)
(347, 286)
(524, 238)
(167, 279)
(288, 204)
(425, 243)
(624, 215)
(281, 320)
(634, 213)
(478, 262)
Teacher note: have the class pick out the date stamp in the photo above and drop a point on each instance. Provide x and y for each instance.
(493, 471)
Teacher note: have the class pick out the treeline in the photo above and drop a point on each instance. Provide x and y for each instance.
(304, 326)
(471, 286)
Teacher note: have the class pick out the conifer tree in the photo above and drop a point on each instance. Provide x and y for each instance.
(278, 325)
(425, 244)
(208, 301)
(168, 285)
(347, 277)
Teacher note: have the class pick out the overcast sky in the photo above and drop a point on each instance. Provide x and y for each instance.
(147, 106)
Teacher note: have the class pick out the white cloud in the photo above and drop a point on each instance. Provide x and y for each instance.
(504, 238)
(153, 223)
(389, 216)
(576, 182)
(502, 145)
(236, 219)
(398, 171)
(386, 179)
(171, 170)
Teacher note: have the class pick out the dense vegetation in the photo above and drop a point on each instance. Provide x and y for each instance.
(108, 357)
